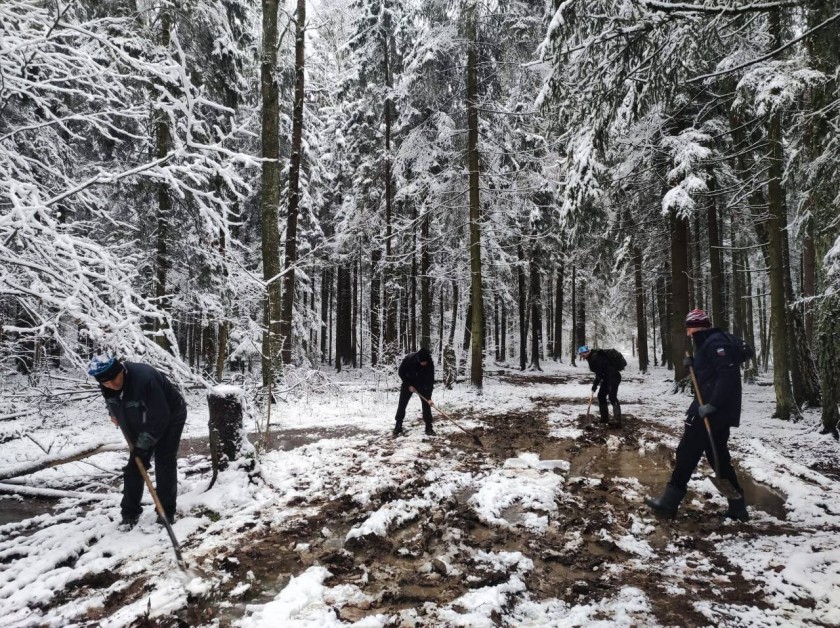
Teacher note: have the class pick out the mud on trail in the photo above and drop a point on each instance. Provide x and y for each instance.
(598, 536)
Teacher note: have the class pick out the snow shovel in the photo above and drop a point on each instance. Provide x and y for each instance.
(475, 438)
(722, 484)
(158, 505)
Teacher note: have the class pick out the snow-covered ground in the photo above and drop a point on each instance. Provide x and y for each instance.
(343, 525)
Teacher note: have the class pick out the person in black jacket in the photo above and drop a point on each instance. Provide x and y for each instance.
(608, 378)
(145, 404)
(417, 373)
(718, 374)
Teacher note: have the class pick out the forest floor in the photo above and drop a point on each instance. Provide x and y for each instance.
(342, 524)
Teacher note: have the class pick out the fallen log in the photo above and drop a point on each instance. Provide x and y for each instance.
(34, 491)
(57, 459)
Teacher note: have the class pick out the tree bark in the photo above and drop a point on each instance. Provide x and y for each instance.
(375, 290)
(786, 407)
(476, 363)
(557, 348)
(270, 191)
(425, 286)
(679, 291)
(572, 346)
(716, 277)
(641, 322)
(536, 309)
(391, 294)
(523, 317)
(287, 313)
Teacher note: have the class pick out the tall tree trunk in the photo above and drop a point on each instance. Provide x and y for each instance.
(523, 317)
(809, 278)
(824, 52)
(344, 317)
(573, 347)
(425, 286)
(163, 140)
(287, 314)
(504, 331)
(716, 278)
(580, 318)
(391, 294)
(455, 299)
(476, 363)
(375, 289)
(536, 309)
(354, 323)
(803, 374)
(558, 315)
(641, 323)
(663, 304)
(785, 404)
(679, 291)
(468, 325)
(270, 191)
(653, 314)
(496, 326)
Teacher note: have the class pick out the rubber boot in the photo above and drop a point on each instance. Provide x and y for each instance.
(616, 417)
(737, 510)
(605, 413)
(429, 430)
(668, 503)
(398, 430)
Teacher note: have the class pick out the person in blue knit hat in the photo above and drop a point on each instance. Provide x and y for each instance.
(151, 411)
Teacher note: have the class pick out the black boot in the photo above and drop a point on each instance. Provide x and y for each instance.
(429, 430)
(605, 413)
(616, 417)
(398, 430)
(127, 523)
(668, 503)
(737, 510)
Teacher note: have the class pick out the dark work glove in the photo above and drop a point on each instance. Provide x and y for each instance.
(594, 387)
(688, 361)
(145, 456)
(705, 410)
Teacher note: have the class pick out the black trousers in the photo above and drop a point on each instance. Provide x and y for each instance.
(694, 443)
(405, 395)
(609, 390)
(166, 473)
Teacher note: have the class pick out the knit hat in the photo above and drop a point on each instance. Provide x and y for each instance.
(583, 349)
(698, 318)
(423, 355)
(104, 368)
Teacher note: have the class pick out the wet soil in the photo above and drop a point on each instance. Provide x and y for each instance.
(599, 539)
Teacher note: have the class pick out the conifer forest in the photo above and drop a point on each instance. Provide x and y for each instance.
(286, 198)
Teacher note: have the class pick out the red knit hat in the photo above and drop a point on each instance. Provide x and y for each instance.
(698, 318)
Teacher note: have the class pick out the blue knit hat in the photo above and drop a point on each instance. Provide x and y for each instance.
(583, 349)
(104, 368)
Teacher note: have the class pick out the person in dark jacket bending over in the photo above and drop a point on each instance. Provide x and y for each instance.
(608, 378)
(417, 374)
(152, 413)
(719, 379)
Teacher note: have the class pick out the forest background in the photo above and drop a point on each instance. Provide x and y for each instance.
(235, 190)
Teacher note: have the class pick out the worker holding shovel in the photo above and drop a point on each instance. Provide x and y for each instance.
(417, 374)
(151, 413)
(715, 409)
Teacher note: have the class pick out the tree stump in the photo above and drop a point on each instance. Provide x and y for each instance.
(225, 425)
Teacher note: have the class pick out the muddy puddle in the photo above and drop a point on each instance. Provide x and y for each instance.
(13, 510)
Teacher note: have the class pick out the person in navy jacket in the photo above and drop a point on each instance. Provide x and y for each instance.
(718, 374)
(151, 411)
(417, 374)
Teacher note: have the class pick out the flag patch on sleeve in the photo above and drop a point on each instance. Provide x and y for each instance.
(721, 351)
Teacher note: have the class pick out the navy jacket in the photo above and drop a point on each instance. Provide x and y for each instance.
(718, 376)
(146, 405)
(603, 369)
(421, 377)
